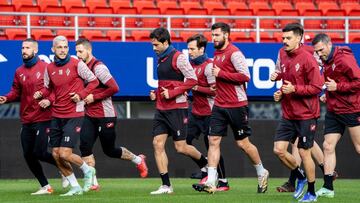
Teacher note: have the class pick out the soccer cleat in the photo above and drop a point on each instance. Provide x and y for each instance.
(203, 180)
(263, 182)
(46, 190)
(142, 167)
(95, 188)
(324, 192)
(204, 188)
(222, 186)
(73, 191)
(88, 178)
(299, 188)
(64, 182)
(286, 187)
(164, 189)
(308, 198)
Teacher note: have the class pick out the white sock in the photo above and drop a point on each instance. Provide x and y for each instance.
(212, 173)
(47, 186)
(95, 182)
(72, 180)
(136, 160)
(260, 170)
(203, 169)
(224, 180)
(84, 167)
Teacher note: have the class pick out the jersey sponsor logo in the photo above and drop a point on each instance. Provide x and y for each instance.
(77, 129)
(185, 121)
(312, 127)
(110, 125)
(60, 72)
(198, 71)
(297, 67)
(53, 73)
(67, 72)
(333, 66)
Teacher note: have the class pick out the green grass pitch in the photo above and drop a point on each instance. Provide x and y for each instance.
(137, 190)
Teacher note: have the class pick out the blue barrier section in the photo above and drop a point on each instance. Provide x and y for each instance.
(133, 64)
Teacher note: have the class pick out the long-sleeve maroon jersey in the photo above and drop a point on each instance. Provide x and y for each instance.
(67, 79)
(175, 74)
(27, 81)
(102, 105)
(203, 97)
(342, 68)
(302, 70)
(234, 73)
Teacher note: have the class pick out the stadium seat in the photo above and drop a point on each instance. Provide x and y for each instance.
(336, 37)
(175, 22)
(211, 5)
(283, 22)
(150, 22)
(187, 5)
(176, 38)
(241, 37)
(94, 35)
(83, 21)
(223, 12)
(16, 34)
(354, 24)
(4, 2)
(165, 5)
(3, 36)
(116, 4)
(313, 24)
(335, 23)
(104, 21)
(278, 36)
(278, 6)
(234, 5)
(71, 3)
(265, 37)
(130, 22)
(257, 5)
(302, 6)
(143, 4)
(55, 20)
(267, 23)
(92, 4)
(34, 20)
(42, 34)
(186, 34)
(141, 35)
(45, 3)
(115, 35)
(69, 34)
(349, 6)
(7, 19)
(324, 6)
(198, 22)
(20, 3)
(243, 23)
(354, 37)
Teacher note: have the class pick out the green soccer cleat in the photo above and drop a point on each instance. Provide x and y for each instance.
(73, 191)
(324, 192)
(88, 179)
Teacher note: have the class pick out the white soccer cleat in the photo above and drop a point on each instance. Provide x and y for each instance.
(46, 190)
(77, 190)
(64, 182)
(263, 182)
(89, 178)
(164, 189)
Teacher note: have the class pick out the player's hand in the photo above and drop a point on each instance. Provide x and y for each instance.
(3, 99)
(152, 95)
(215, 71)
(277, 95)
(331, 85)
(273, 76)
(213, 88)
(74, 97)
(89, 99)
(288, 87)
(195, 88)
(38, 95)
(323, 98)
(165, 93)
(44, 103)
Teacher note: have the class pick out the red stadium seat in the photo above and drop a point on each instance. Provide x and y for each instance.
(72, 3)
(92, 4)
(94, 35)
(143, 4)
(42, 34)
(83, 21)
(244, 23)
(354, 24)
(115, 35)
(241, 37)
(7, 19)
(165, 5)
(313, 24)
(234, 5)
(187, 5)
(187, 34)
(198, 22)
(207, 35)
(336, 37)
(20, 3)
(349, 6)
(4, 2)
(116, 4)
(176, 22)
(265, 37)
(211, 5)
(283, 22)
(45, 3)
(141, 35)
(302, 6)
(326, 5)
(257, 5)
(34, 20)
(55, 20)
(150, 22)
(278, 6)
(354, 37)
(130, 22)
(267, 23)
(16, 34)
(103, 21)
(69, 34)
(335, 23)
(222, 12)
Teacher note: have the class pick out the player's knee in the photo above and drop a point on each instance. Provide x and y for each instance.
(328, 148)
(64, 155)
(180, 148)
(279, 151)
(357, 148)
(158, 146)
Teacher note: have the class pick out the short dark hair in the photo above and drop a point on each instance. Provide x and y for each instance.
(223, 26)
(322, 37)
(30, 40)
(160, 34)
(297, 28)
(83, 41)
(200, 39)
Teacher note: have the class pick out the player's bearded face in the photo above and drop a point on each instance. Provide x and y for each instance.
(27, 50)
(218, 38)
(219, 44)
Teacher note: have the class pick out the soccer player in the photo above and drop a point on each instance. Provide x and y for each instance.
(35, 115)
(176, 76)
(100, 118)
(302, 83)
(342, 98)
(230, 108)
(203, 101)
(65, 77)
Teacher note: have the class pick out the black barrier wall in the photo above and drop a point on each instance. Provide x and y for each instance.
(136, 136)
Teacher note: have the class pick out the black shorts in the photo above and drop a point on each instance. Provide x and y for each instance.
(198, 125)
(289, 130)
(237, 118)
(172, 122)
(336, 123)
(93, 128)
(65, 132)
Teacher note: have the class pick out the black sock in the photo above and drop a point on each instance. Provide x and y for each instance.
(322, 167)
(221, 168)
(328, 182)
(165, 179)
(292, 178)
(202, 162)
(311, 187)
(300, 174)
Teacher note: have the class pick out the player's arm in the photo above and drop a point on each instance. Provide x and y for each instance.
(15, 90)
(314, 77)
(47, 89)
(210, 79)
(352, 71)
(85, 73)
(242, 71)
(190, 78)
(277, 75)
(105, 77)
